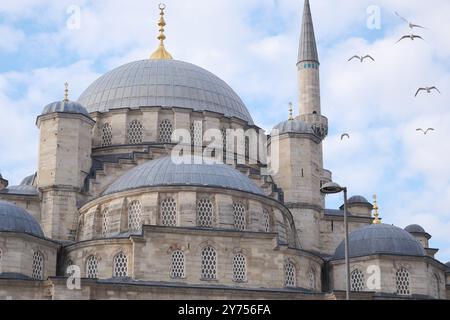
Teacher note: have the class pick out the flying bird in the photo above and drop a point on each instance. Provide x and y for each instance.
(361, 58)
(411, 25)
(412, 37)
(425, 132)
(345, 135)
(427, 89)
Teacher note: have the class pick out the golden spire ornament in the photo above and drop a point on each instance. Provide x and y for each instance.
(376, 214)
(291, 110)
(66, 92)
(161, 53)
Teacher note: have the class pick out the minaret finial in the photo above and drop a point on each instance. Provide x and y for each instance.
(161, 53)
(308, 48)
(66, 92)
(375, 209)
(291, 110)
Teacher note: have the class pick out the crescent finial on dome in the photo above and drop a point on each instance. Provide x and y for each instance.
(161, 53)
(66, 92)
(376, 213)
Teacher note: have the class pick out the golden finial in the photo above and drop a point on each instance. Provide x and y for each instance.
(66, 92)
(161, 53)
(375, 209)
(291, 110)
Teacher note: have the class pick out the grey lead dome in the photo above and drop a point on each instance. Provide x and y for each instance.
(65, 107)
(380, 239)
(163, 83)
(15, 219)
(164, 172)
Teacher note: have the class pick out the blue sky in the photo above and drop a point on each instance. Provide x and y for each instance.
(252, 45)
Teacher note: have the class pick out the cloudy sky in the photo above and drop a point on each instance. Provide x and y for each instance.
(252, 45)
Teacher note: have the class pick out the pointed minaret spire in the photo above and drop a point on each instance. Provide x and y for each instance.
(308, 48)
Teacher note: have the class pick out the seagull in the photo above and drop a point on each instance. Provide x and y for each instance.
(361, 58)
(425, 132)
(412, 37)
(427, 89)
(345, 135)
(411, 25)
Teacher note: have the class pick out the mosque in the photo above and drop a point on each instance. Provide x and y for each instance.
(111, 214)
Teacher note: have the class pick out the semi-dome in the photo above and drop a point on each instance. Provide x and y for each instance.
(26, 188)
(292, 126)
(380, 239)
(165, 172)
(15, 219)
(65, 107)
(415, 228)
(163, 83)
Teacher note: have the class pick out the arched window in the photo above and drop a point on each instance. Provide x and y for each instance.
(105, 222)
(92, 267)
(266, 220)
(38, 266)
(239, 212)
(169, 213)
(135, 216)
(120, 269)
(178, 264)
(1, 260)
(247, 147)
(403, 282)
(312, 279)
(290, 278)
(209, 263)
(239, 268)
(357, 281)
(205, 213)
(224, 138)
(106, 135)
(165, 131)
(196, 133)
(135, 133)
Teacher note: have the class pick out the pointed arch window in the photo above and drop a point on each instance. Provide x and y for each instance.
(209, 263)
(168, 210)
(290, 277)
(239, 268)
(120, 269)
(178, 264)
(205, 213)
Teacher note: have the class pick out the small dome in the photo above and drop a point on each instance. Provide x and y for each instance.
(26, 188)
(164, 172)
(15, 219)
(65, 107)
(292, 126)
(358, 199)
(415, 228)
(166, 84)
(380, 239)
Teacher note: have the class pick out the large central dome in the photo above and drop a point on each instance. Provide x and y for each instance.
(163, 83)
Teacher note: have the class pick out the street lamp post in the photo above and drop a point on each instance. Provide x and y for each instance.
(334, 188)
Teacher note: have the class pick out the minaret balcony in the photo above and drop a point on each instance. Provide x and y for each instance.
(318, 123)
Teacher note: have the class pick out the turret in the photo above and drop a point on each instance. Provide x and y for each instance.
(64, 163)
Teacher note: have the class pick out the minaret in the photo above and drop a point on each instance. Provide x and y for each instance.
(308, 67)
